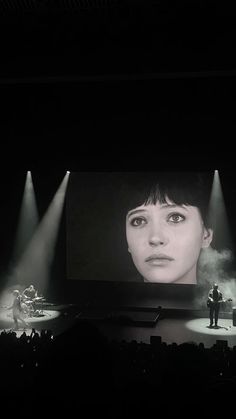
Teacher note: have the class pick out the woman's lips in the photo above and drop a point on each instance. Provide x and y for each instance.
(160, 256)
(158, 259)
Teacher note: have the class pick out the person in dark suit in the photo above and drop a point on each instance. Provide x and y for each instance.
(214, 301)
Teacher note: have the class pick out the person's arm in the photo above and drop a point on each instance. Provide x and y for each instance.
(210, 297)
(9, 308)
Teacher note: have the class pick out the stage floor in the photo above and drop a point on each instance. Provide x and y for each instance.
(179, 330)
(171, 327)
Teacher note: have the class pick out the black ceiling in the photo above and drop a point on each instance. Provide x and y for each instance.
(85, 38)
(138, 81)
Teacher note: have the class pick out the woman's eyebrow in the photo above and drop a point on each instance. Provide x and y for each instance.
(163, 206)
(174, 206)
(135, 211)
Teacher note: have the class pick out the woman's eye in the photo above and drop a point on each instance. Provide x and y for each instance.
(176, 218)
(138, 221)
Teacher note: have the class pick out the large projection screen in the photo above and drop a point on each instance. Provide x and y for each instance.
(137, 226)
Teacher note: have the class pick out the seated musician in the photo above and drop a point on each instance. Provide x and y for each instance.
(29, 295)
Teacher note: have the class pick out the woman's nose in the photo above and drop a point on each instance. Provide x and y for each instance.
(155, 241)
(157, 237)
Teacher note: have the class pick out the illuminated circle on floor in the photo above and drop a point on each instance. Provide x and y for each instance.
(39, 316)
(201, 325)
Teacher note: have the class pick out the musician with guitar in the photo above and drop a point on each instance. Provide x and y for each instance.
(214, 301)
(17, 310)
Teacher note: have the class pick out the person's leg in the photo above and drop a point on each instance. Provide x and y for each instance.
(16, 325)
(217, 309)
(23, 321)
(211, 315)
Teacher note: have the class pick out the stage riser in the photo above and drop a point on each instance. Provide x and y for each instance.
(121, 317)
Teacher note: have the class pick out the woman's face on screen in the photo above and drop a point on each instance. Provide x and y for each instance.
(165, 241)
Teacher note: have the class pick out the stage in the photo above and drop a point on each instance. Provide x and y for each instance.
(174, 329)
(171, 325)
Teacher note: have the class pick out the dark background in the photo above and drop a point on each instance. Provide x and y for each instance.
(112, 85)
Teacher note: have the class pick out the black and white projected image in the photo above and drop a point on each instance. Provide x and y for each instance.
(138, 226)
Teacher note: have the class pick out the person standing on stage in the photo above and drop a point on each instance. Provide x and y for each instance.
(214, 300)
(17, 310)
